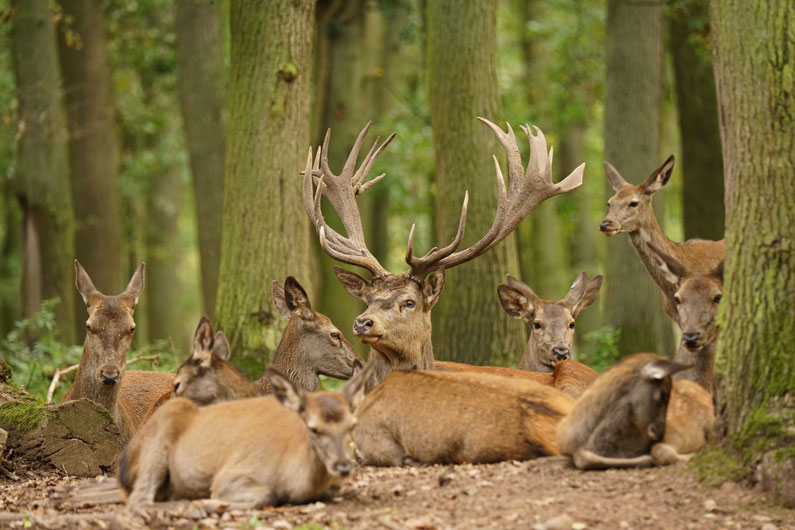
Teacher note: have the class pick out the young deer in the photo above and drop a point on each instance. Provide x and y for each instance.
(102, 375)
(397, 322)
(631, 211)
(477, 418)
(622, 415)
(696, 298)
(689, 423)
(287, 448)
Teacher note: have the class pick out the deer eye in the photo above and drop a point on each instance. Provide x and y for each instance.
(677, 300)
(571, 325)
(88, 327)
(633, 204)
(536, 325)
(132, 330)
(335, 336)
(409, 303)
(313, 430)
(717, 298)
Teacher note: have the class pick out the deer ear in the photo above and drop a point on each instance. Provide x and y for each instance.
(291, 397)
(614, 177)
(719, 271)
(203, 338)
(134, 288)
(433, 288)
(673, 271)
(85, 286)
(659, 370)
(659, 177)
(356, 286)
(297, 300)
(592, 288)
(514, 302)
(576, 291)
(277, 295)
(353, 391)
(221, 347)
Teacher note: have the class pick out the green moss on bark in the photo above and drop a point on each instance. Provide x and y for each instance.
(25, 414)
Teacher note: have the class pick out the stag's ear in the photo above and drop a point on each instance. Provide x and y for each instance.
(134, 288)
(659, 177)
(592, 288)
(673, 271)
(203, 342)
(433, 288)
(356, 286)
(353, 391)
(221, 347)
(279, 304)
(85, 286)
(297, 300)
(614, 177)
(291, 397)
(659, 370)
(514, 302)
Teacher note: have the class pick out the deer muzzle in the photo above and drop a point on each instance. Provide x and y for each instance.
(362, 326)
(608, 227)
(691, 339)
(109, 375)
(560, 353)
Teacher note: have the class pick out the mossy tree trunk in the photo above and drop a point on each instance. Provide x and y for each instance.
(633, 110)
(266, 233)
(201, 81)
(469, 324)
(93, 144)
(42, 177)
(702, 163)
(756, 349)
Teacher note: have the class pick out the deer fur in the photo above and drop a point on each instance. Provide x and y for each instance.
(621, 416)
(473, 417)
(631, 212)
(290, 447)
(689, 423)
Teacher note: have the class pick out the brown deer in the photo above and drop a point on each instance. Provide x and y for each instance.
(287, 448)
(631, 212)
(689, 423)
(102, 374)
(476, 418)
(621, 416)
(696, 298)
(397, 322)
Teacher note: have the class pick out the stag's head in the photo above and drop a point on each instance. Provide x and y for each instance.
(551, 322)
(631, 206)
(110, 326)
(697, 297)
(397, 321)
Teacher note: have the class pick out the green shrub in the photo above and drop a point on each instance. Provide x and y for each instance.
(603, 351)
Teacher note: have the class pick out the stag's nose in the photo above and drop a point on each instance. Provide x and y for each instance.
(560, 353)
(343, 468)
(604, 226)
(109, 377)
(362, 326)
(691, 339)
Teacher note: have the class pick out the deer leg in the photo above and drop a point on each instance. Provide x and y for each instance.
(239, 492)
(665, 454)
(379, 448)
(585, 459)
(152, 476)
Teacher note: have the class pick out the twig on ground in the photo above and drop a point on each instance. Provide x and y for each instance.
(64, 371)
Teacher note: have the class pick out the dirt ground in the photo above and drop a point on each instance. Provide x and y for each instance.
(542, 494)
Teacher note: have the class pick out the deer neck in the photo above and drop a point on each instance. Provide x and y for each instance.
(530, 362)
(651, 233)
(387, 360)
(703, 362)
(291, 360)
(87, 385)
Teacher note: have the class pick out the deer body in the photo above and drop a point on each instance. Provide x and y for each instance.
(476, 418)
(285, 448)
(689, 423)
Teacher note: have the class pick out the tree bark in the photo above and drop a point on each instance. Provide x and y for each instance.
(42, 177)
(93, 144)
(470, 325)
(756, 349)
(702, 163)
(201, 81)
(266, 232)
(633, 108)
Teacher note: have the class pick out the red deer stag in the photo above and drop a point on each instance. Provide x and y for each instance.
(291, 447)
(397, 321)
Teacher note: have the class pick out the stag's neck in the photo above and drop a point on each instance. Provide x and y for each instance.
(703, 370)
(87, 385)
(530, 362)
(290, 361)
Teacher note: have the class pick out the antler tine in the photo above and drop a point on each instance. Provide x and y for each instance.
(367, 165)
(420, 267)
(526, 190)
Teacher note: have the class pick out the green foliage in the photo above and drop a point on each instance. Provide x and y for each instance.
(716, 465)
(603, 352)
(25, 415)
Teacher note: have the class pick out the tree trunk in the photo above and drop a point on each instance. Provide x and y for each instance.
(702, 163)
(470, 325)
(93, 144)
(201, 81)
(266, 232)
(756, 349)
(42, 175)
(633, 108)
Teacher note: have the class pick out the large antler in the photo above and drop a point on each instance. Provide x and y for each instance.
(527, 189)
(341, 190)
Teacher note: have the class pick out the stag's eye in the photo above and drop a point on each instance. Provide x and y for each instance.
(717, 298)
(571, 325)
(677, 300)
(633, 204)
(536, 325)
(409, 303)
(335, 336)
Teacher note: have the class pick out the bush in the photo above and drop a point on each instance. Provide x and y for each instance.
(603, 352)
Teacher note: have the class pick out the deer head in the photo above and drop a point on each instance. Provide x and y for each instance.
(397, 321)
(631, 206)
(328, 415)
(109, 330)
(697, 297)
(551, 322)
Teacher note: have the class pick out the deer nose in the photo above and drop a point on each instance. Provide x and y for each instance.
(110, 377)
(343, 468)
(691, 339)
(604, 226)
(362, 326)
(560, 353)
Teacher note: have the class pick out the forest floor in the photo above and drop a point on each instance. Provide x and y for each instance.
(543, 494)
